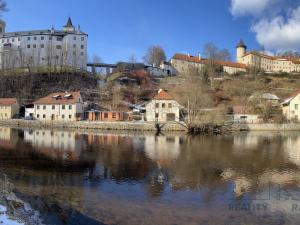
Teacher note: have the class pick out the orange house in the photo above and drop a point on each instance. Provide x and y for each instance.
(110, 116)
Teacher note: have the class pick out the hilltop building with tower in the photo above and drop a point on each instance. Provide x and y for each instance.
(265, 62)
(43, 48)
(183, 63)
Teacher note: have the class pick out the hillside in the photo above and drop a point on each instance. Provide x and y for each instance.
(29, 87)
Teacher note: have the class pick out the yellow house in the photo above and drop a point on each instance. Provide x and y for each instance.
(291, 107)
(9, 107)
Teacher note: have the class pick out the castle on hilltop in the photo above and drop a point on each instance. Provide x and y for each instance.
(266, 62)
(43, 48)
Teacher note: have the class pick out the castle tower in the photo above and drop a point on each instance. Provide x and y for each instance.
(240, 51)
(69, 26)
(2, 27)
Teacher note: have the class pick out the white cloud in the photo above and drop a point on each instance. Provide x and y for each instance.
(246, 7)
(278, 33)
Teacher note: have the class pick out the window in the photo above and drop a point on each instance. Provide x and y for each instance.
(74, 46)
(82, 38)
(296, 106)
(50, 38)
(105, 115)
(114, 115)
(170, 105)
(44, 107)
(38, 116)
(70, 107)
(34, 38)
(53, 107)
(163, 105)
(42, 38)
(82, 46)
(81, 53)
(74, 38)
(38, 107)
(28, 38)
(156, 105)
(58, 46)
(42, 45)
(156, 115)
(63, 107)
(13, 40)
(19, 39)
(34, 45)
(63, 116)
(44, 116)
(28, 46)
(70, 116)
(59, 38)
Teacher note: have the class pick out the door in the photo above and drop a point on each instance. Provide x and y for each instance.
(171, 116)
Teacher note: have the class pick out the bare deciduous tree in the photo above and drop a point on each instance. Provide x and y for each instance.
(155, 55)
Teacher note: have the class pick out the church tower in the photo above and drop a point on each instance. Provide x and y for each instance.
(69, 26)
(240, 51)
(2, 27)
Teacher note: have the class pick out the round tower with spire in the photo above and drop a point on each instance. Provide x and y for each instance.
(240, 51)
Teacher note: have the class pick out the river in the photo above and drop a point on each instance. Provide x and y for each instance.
(89, 177)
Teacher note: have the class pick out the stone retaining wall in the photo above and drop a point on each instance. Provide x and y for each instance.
(268, 127)
(134, 126)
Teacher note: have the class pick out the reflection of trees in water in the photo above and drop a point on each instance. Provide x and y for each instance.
(160, 161)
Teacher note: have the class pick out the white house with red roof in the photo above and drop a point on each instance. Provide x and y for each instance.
(9, 108)
(291, 106)
(62, 106)
(162, 108)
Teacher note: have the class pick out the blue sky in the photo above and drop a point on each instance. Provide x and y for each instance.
(119, 28)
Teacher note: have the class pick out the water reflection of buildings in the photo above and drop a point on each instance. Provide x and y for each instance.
(162, 148)
(8, 137)
(63, 144)
(292, 148)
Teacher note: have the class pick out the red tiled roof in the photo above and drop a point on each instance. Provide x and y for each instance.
(59, 98)
(8, 101)
(284, 58)
(240, 109)
(162, 95)
(206, 61)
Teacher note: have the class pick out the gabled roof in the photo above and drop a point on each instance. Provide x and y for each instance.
(291, 97)
(265, 96)
(241, 109)
(162, 95)
(195, 59)
(59, 98)
(8, 101)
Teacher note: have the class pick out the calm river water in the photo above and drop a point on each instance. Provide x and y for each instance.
(134, 178)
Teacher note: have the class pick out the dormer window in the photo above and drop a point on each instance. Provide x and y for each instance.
(57, 96)
(68, 96)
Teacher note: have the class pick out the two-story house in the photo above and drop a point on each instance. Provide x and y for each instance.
(64, 106)
(162, 108)
(291, 107)
(9, 108)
